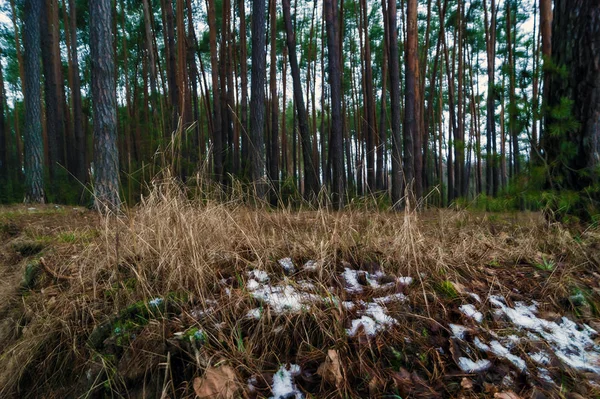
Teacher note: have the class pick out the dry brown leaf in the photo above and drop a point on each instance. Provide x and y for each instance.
(331, 369)
(507, 395)
(217, 382)
(466, 383)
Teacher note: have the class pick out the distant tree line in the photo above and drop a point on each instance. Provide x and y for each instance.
(417, 101)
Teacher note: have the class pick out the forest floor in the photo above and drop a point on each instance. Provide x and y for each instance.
(182, 298)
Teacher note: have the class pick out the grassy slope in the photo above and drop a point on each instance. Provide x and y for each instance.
(82, 324)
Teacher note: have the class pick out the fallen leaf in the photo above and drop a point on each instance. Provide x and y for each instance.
(217, 382)
(331, 369)
(466, 383)
(507, 395)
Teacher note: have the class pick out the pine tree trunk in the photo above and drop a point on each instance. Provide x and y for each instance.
(397, 173)
(274, 142)
(410, 118)
(311, 182)
(34, 151)
(574, 153)
(216, 91)
(104, 98)
(334, 73)
(257, 97)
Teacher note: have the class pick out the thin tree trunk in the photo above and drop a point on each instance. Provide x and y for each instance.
(311, 181)
(274, 144)
(397, 173)
(216, 120)
(411, 99)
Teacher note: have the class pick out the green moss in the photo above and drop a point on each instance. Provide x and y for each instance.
(447, 289)
(32, 271)
(28, 247)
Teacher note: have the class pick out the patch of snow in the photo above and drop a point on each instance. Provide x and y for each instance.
(252, 285)
(482, 346)
(260, 275)
(405, 280)
(284, 298)
(469, 366)
(254, 313)
(311, 265)
(390, 298)
(470, 311)
(499, 350)
(571, 343)
(283, 383)
(540, 358)
(287, 265)
(544, 375)
(348, 305)
(458, 331)
(351, 279)
(373, 321)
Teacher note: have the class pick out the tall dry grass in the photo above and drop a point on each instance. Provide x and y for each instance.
(194, 251)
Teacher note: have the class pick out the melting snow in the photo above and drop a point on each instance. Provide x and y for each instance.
(374, 320)
(469, 366)
(390, 298)
(572, 344)
(458, 331)
(470, 311)
(259, 275)
(543, 374)
(405, 280)
(283, 383)
(283, 298)
(540, 358)
(499, 350)
(254, 313)
(475, 296)
(287, 265)
(311, 265)
(351, 278)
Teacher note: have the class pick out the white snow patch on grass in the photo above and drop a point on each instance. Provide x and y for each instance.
(374, 321)
(540, 358)
(469, 366)
(499, 350)
(470, 311)
(458, 331)
(571, 343)
(283, 383)
(351, 279)
(254, 313)
(405, 280)
(260, 275)
(287, 264)
(390, 298)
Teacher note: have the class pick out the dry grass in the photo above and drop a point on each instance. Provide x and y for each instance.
(196, 254)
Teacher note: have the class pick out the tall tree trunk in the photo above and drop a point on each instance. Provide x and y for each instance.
(380, 177)
(371, 131)
(491, 163)
(257, 97)
(3, 135)
(79, 132)
(397, 172)
(214, 63)
(243, 84)
(52, 85)
(34, 152)
(311, 181)
(334, 72)
(169, 27)
(274, 144)
(410, 118)
(104, 98)
(574, 153)
(546, 31)
(459, 137)
(512, 102)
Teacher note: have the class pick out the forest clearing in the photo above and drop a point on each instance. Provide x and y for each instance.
(182, 297)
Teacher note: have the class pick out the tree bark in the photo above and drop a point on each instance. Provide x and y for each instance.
(410, 122)
(104, 99)
(334, 72)
(257, 97)
(34, 152)
(311, 181)
(274, 142)
(397, 172)
(574, 151)
(216, 91)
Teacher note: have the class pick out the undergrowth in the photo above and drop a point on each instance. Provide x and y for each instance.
(159, 296)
